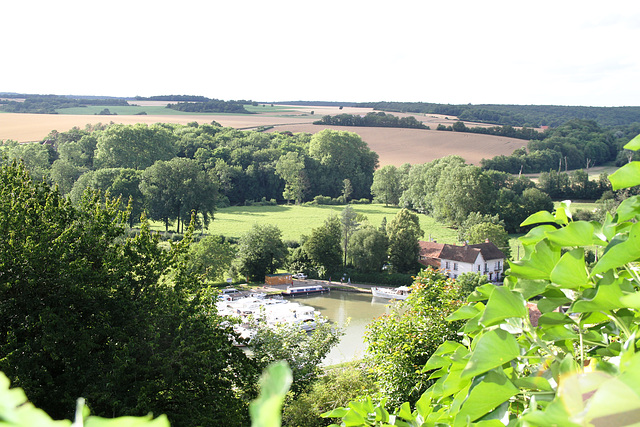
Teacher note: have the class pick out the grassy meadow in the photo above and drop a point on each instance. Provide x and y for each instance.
(295, 221)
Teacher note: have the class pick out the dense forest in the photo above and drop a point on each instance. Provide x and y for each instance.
(517, 115)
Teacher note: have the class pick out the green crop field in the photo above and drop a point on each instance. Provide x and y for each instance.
(295, 221)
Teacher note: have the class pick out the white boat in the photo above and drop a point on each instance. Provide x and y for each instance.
(401, 292)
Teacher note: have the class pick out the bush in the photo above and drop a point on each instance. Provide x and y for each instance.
(336, 388)
(362, 201)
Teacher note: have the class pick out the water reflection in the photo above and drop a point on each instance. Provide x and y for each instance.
(339, 306)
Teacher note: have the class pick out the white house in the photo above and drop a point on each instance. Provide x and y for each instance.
(454, 260)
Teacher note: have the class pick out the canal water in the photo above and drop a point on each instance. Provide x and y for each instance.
(358, 308)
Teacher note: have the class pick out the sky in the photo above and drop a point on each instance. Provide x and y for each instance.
(559, 52)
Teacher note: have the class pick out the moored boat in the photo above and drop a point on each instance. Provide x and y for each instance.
(292, 291)
(401, 292)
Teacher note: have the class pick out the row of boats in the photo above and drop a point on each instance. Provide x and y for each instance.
(249, 309)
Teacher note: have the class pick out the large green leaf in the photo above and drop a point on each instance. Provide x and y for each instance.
(634, 144)
(144, 421)
(598, 398)
(266, 409)
(533, 383)
(558, 333)
(539, 218)
(578, 233)
(486, 395)
(620, 254)
(539, 264)
(631, 300)
(503, 304)
(607, 298)
(536, 234)
(625, 177)
(466, 312)
(571, 271)
(530, 288)
(628, 209)
(492, 349)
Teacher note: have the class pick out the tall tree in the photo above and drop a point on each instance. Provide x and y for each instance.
(178, 188)
(211, 257)
(290, 167)
(323, 246)
(404, 231)
(387, 185)
(261, 251)
(133, 146)
(349, 221)
(343, 155)
(368, 249)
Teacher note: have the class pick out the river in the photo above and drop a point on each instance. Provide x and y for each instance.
(359, 309)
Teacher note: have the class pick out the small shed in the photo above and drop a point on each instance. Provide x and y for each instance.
(278, 279)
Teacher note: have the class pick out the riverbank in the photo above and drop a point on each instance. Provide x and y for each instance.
(334, 286)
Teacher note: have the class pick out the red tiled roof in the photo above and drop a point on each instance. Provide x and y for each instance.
(466, 253)
(430, 249)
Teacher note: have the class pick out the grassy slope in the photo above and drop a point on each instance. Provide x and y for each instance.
(295, 221)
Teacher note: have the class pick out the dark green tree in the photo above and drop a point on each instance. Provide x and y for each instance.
(133, 146)
(260, 251)
(323, 246)
(387, 185)
(175, 189)
(403, 232)
(342, 155)
(368, 249)
(210, 258)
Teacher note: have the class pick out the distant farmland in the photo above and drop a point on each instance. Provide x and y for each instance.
(398, 146)
(394, 146)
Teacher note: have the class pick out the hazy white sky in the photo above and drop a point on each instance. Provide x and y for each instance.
(508, 52)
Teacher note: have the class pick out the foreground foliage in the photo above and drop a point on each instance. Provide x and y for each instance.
(400, 343)
(85, 311)
(578, 367)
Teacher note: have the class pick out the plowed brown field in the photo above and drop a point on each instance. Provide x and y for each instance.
(394, 146)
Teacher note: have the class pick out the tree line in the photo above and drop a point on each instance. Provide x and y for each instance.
(210, 106)
(506, 130)
(374, 119)
(173, 170)
(48, 104)
(516, 115)
(577, 144)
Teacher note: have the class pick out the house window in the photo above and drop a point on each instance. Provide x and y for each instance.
(486, 267)
(478, 268)
(446, 265)
(498, 265)
(455, 266)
